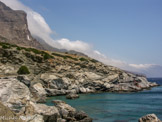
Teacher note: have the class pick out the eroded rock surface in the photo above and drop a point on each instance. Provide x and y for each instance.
(149, 118)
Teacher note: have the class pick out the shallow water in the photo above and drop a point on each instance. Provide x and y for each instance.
(115, 107)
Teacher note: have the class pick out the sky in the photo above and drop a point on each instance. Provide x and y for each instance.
(123, 33)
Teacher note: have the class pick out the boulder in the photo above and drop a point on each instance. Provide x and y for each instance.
(82, 117)
(149, 118)
(7, 70)
(62, 105)
(82, 90)
(55, 92)
(14, 94)
(38, 92)
(49, 113)
(72, 96)
(69, 113)
(92, 76)
(48, 76)
(24, 79)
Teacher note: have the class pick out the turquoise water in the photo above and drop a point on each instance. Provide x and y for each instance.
(114, 107)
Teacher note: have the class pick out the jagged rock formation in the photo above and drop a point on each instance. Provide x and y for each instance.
(149, 118)
(14, 28)
(20, 104)
(72, 96)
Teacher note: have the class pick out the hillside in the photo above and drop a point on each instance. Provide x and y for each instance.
(72, 72)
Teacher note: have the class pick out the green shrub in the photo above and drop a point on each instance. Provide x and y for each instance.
(83, 59)
(56, 54)
(23, 70)
(33, 50)
(5, 46)
(75, 59)
(64, 56)
(19, 48)
(47, 56)
(94, 61)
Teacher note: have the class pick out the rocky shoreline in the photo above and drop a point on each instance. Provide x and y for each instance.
(22, 98)
(28, 76)
(50, 74)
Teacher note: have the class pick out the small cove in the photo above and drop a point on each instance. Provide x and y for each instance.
(115, 107)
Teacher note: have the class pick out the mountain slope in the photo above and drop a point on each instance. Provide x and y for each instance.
(14, 28)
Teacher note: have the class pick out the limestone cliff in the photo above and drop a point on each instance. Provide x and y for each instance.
(14, 28)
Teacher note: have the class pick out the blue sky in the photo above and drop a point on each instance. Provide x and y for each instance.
(129, 30)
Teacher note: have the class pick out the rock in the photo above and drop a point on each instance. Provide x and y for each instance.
(153, 84)
(149, 118)
(55, 92)
(92, 76)
(24, 79)
(38, 92)
(69, 113)
(35, 118)
(82, 117)
(143, 83)
(49, 113)
(59, 84)
(62, 105)
(48, 77)
(6, 115)
(14, 94)
(110, 78)
(83, 90)
(72, 96)
(7, 70)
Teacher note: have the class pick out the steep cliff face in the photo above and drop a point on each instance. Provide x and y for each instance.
(14, 28)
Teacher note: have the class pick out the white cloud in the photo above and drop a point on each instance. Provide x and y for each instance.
(74, 45)
(38, 27)
(141, 66)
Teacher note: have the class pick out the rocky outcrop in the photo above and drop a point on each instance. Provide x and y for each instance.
(70, 114)
(7, 115)
(38, 92)
(14, 94)
(14, 28)
(72, 96)
(20, 103)
(149, 118)
(49, 113)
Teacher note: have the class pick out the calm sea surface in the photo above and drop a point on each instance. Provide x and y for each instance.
(114, 107)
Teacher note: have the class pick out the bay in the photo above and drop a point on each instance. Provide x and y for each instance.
(118, 107)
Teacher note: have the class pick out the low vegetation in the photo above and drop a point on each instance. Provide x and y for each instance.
(64, 56)
(7, 45)
(33, 50)
(93, 60)
(23, 70)
(83, 59)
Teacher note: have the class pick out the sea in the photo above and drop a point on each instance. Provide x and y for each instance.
(118, 107)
